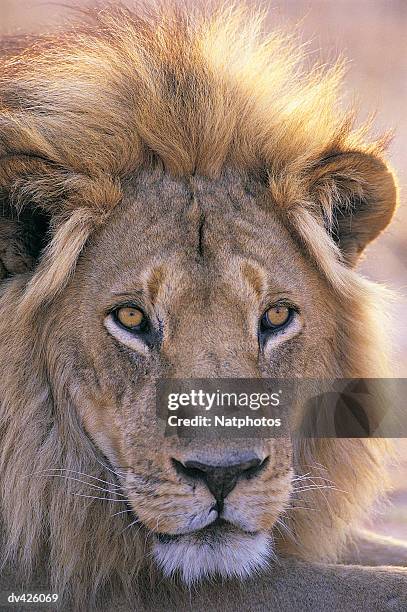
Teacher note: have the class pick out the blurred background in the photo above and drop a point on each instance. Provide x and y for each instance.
(372, 35)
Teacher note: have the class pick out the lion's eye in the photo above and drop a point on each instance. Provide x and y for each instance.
(130, 317)
(277, 317)
(132, 327)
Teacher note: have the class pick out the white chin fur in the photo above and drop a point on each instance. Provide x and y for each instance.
(230, 555)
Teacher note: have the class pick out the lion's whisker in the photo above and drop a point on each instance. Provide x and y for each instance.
(84, 482)
(102, 498)
(309, 477)
(319, 487)
(130, 525)
(315, 488)
(121, 512)
(106, 467)
(333, 486)
(281, 525)
(79, 473)
(311, 488)
(302, 476)
(282, 528)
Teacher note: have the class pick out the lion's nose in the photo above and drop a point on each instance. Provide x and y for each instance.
(220, 479)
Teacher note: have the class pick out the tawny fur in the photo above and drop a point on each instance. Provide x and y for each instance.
(79, 113)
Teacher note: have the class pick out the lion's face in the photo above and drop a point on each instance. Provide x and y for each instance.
(196, 265)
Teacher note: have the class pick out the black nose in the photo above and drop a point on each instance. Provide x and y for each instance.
(219, 479)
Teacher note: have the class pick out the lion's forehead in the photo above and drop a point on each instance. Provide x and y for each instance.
(188, 222)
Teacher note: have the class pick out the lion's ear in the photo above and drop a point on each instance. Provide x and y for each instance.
(21, 241)
(358, 195)
(24, 223)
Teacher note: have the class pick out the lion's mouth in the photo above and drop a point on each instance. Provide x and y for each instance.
(219, 527)
(219, 549)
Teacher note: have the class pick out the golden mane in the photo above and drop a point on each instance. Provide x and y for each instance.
(79, 112)
(197, 92)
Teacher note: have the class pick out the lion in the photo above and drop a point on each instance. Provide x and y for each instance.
(182, 198)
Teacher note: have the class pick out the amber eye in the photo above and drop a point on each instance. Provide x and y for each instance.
(130, 317)
(277, 316)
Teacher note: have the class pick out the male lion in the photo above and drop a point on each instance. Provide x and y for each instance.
(180, 200)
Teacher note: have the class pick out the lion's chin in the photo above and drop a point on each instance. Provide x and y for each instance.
(219, 551)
